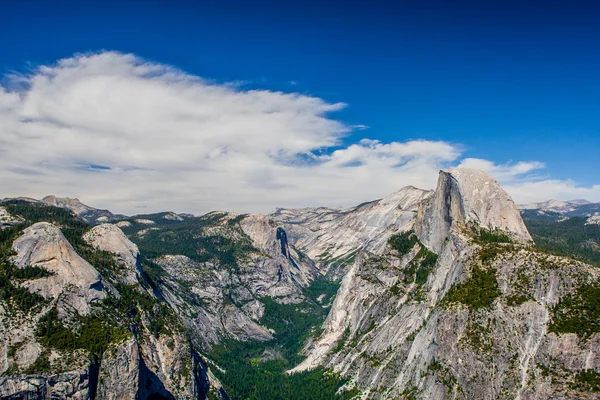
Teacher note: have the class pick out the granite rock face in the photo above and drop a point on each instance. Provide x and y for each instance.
(333, 237)
(467, 196)
(218, 301)
(90, 214)
(71, 385)
(119, 374)
(43, 245)
(396, 335)
(110, 238)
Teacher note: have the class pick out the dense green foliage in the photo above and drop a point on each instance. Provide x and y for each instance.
(418, 270)
(94, 334)
(322, 286)
(127, 310)
(578, 313)
(570, 238)
(292, 324)
(587, 380)
(483, 235)
(251, 377)
(256, 370)
(403, 242)
(71, 226)
(29, 272)
(479, 291)
(190, 238)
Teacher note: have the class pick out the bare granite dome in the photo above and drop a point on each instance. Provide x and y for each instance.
(43, 245)
(109, 237)
(468, 196)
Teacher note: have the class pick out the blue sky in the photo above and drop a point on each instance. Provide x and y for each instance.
(501, 81)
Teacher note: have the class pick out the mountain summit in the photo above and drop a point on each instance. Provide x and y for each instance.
(422, 294)
(467, 197)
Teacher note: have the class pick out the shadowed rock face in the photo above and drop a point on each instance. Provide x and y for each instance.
(71, 385)
(282, 237)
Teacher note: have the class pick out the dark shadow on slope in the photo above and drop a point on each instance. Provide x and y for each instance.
(151, 387)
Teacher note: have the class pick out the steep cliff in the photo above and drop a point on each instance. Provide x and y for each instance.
(218, 293)
(333, 237)
(467, 197)
(70, 331)
(443, 295)
(486, 316)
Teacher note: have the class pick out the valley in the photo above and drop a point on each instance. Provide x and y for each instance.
(424, 294)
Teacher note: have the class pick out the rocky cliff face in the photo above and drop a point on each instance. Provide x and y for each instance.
(481, 319)
(467, 197)
(221, 298)
(109, 238)
(70, 332)
(443, 295)
(332, 238)
(90, 214)
(43, 245)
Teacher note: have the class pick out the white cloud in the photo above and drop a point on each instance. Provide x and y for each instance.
(504, 173)
(526, 188)
(533, 191)
(125, 134)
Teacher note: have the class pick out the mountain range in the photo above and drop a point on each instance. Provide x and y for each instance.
(449, 293)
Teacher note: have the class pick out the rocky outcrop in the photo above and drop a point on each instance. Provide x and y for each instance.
(202, 295)
(145, 363)
(397, 329)
(43, 245)
(72, 385)
(108, 237)
(119, 373)
(151, 367)
(8, 220)
(90, 214)
(593, 220)
(467, 197)
(275, 271)
(332, 237)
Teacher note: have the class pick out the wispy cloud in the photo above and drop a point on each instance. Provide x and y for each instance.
(123, 133)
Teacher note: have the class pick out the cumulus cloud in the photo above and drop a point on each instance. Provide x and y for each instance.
(122, 133)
